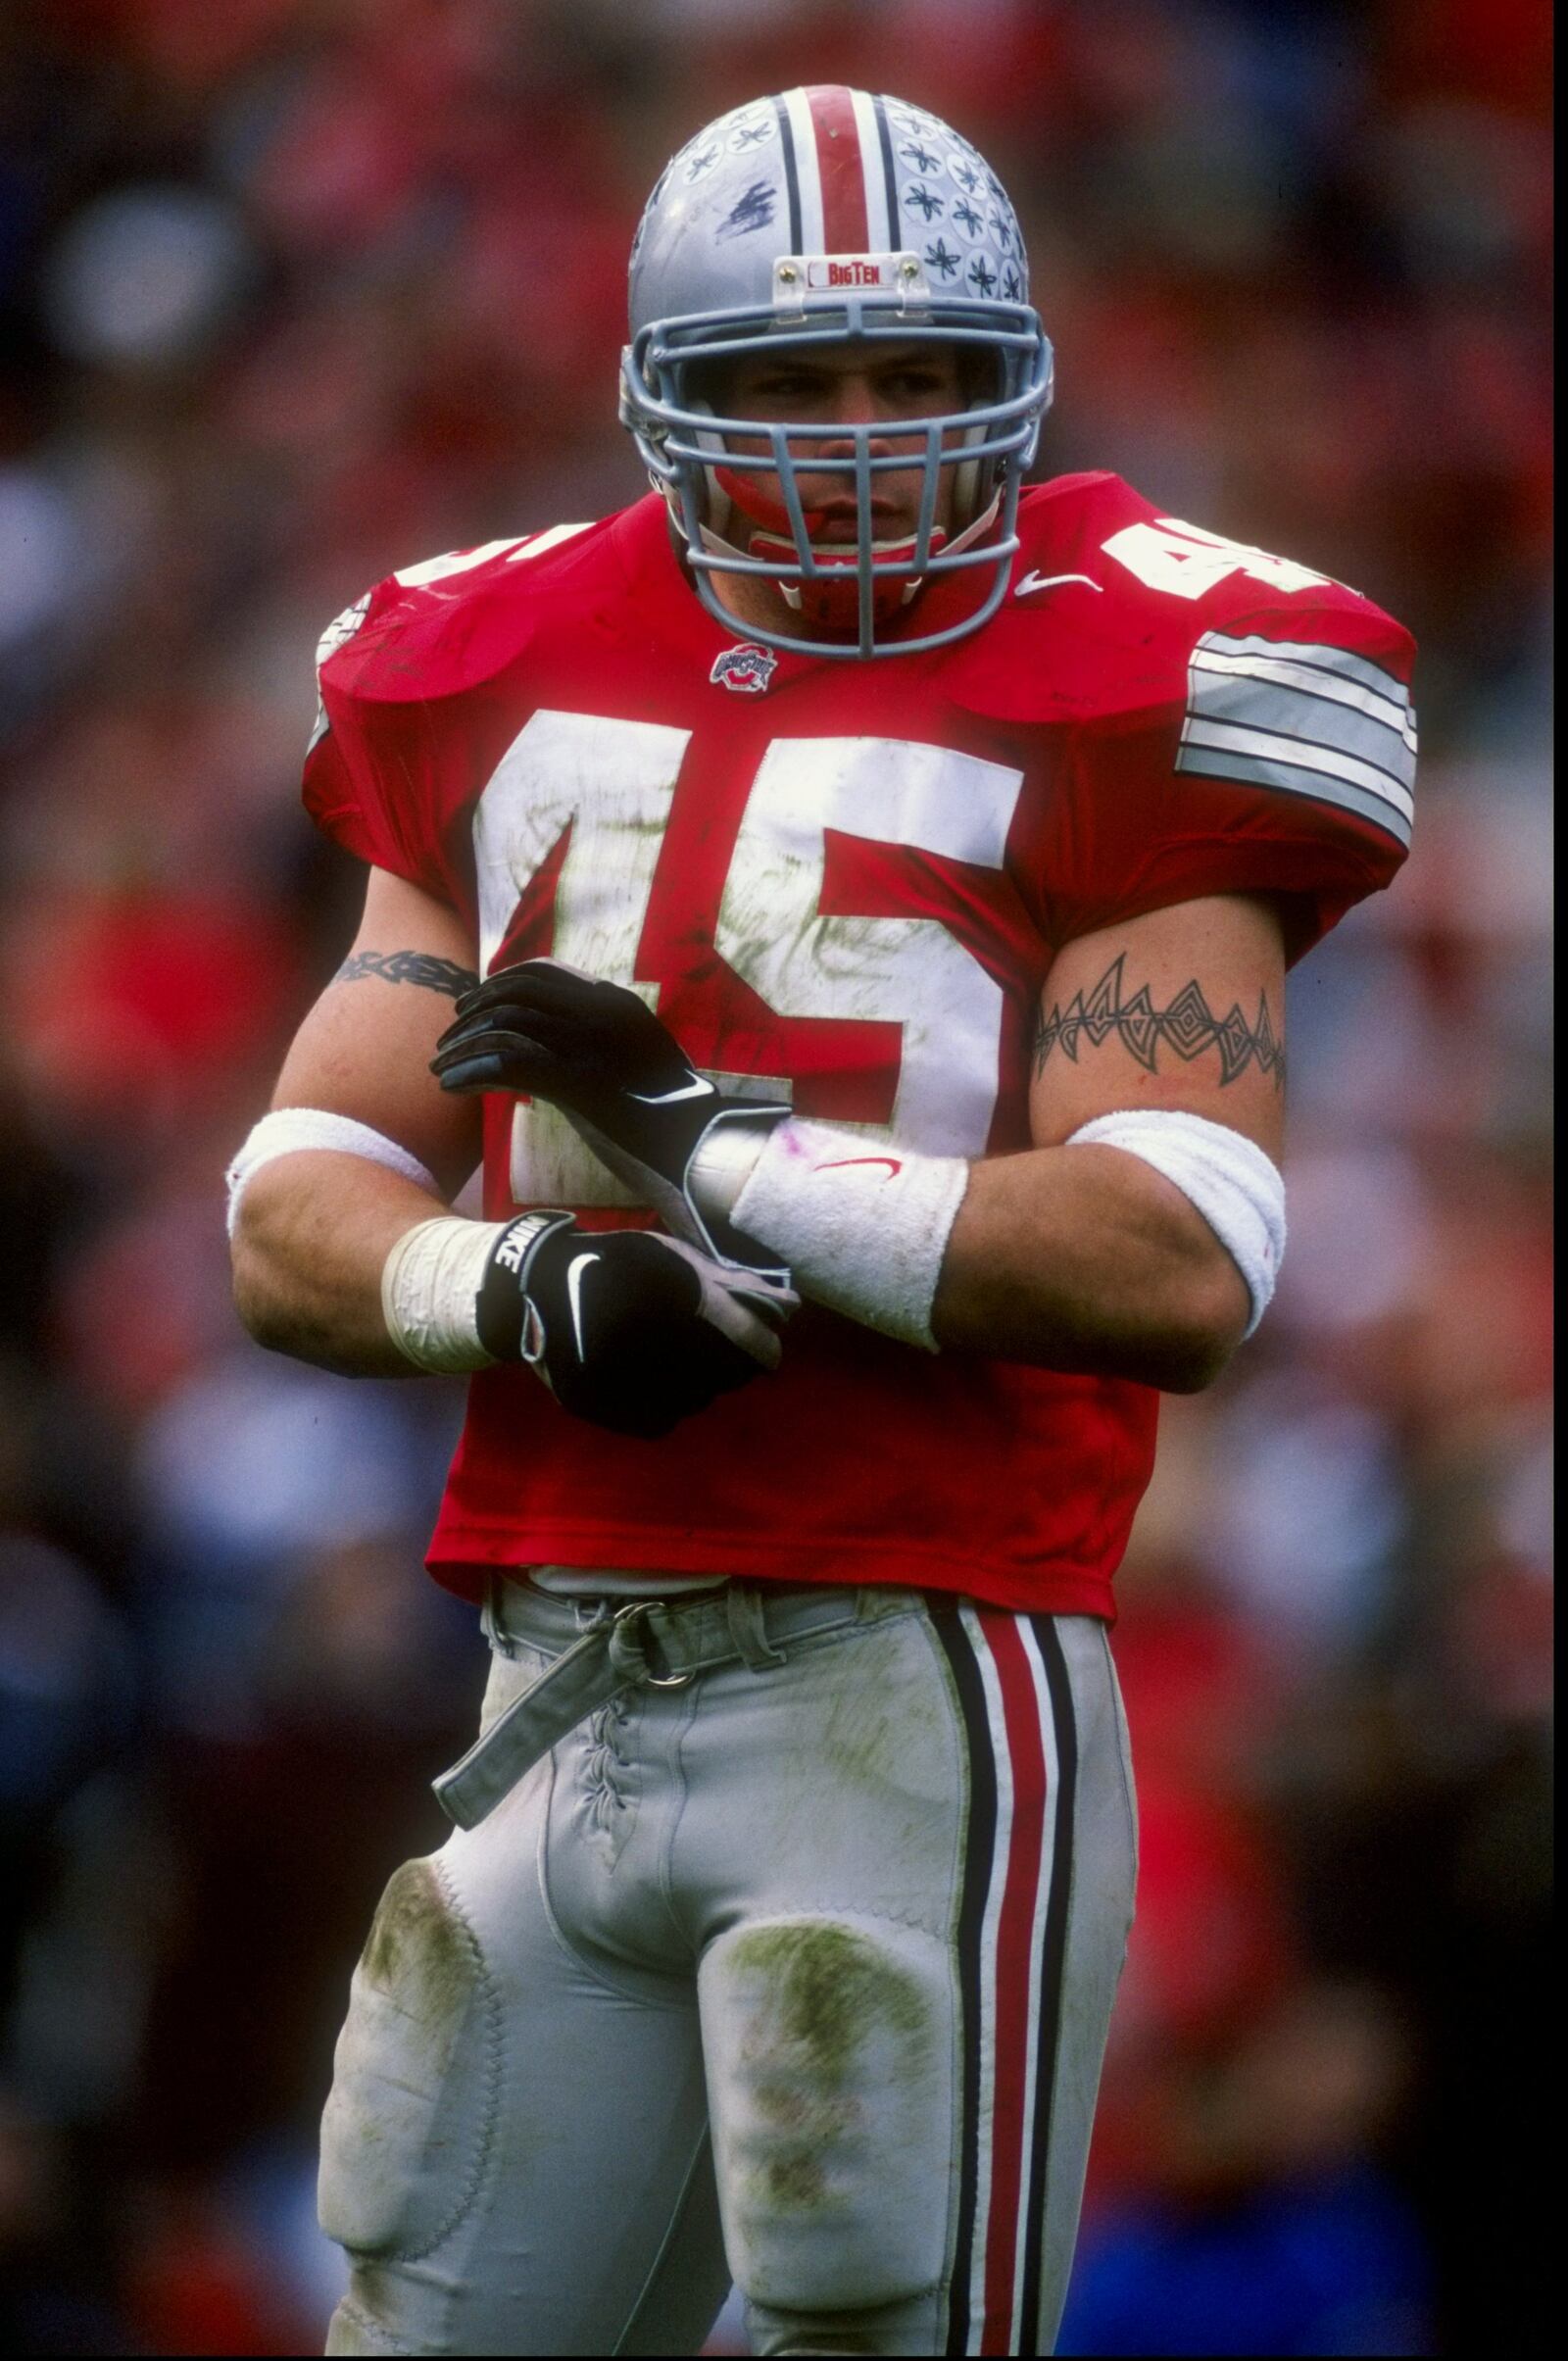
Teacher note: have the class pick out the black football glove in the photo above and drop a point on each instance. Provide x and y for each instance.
(619, 1077)
(628, 1330)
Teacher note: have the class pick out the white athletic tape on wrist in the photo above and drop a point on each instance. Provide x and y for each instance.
(289, 1129)
(863, 1230)
(431, 1292)
(1234, 1185)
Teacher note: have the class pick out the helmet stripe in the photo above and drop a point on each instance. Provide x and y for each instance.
(879, 219)
(792, 178)
(813, 240)
(845, 229)
(890, 178)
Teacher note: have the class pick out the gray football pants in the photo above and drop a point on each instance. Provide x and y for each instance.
(798, 1974)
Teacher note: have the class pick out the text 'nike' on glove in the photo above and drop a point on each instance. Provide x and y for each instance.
(617, 1073)
(629, 1330)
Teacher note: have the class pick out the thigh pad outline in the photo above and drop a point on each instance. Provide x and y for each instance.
(409, 2124)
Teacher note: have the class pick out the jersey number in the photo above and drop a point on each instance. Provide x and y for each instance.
(1185, 561)
(613, 783)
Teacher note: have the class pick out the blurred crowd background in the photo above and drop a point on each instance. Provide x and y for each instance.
(295, 293)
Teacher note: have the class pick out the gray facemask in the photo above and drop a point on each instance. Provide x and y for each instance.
(830, 218)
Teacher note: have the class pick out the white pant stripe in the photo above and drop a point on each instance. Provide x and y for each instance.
(1037, 1967)
(1001, 1844)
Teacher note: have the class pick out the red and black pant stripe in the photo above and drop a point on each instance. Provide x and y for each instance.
(1015, 1701)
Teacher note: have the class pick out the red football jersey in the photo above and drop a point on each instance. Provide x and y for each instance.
(846, 882)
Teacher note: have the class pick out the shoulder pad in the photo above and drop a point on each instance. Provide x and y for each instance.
(1109, 601)
(446, 623)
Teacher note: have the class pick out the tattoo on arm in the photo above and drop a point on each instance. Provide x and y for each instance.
(409, 967)
(1188, 1025)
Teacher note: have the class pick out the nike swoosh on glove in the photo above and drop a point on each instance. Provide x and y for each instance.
(629, 1330)
(618, 1075)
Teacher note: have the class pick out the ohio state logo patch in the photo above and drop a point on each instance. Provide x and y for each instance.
(746, 669)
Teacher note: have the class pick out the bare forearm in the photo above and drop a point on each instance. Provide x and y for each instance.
(313, 1232)
(1084, 1259)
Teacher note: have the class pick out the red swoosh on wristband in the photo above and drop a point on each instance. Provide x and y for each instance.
(843, 1162)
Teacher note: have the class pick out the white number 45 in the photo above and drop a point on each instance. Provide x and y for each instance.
(1184, 559)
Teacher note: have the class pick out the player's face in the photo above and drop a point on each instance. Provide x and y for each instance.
(843, 386)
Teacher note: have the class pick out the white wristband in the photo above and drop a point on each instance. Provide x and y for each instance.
(1238, 1190)
(431, 1291)
(863, 1230)
(289, 1129)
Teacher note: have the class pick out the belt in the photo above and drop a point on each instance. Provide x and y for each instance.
(649, 1643)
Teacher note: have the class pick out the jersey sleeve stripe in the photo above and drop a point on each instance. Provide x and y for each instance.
(1253, 770)
(339, 631)
(1313, 683)
(1284, 712)
(1321, 654)
(1326, 762)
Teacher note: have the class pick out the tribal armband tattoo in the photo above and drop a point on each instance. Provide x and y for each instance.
(409, 967)
(1188, 1025)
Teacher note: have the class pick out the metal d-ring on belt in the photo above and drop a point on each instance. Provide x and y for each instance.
(651, 1644)
(659, 1680)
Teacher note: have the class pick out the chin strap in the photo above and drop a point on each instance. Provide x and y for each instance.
(838, 603)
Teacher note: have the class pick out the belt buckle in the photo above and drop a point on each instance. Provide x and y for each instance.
(638, 1609)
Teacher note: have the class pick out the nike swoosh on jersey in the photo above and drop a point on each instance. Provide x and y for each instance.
(1033, 581)
(574, 1271)
(667, 1098)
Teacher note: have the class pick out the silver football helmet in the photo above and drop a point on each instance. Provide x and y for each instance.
(822, 217)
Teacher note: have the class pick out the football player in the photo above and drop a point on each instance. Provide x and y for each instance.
(844, 898)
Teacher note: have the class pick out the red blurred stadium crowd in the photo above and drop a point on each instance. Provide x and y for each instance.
(294, 293)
